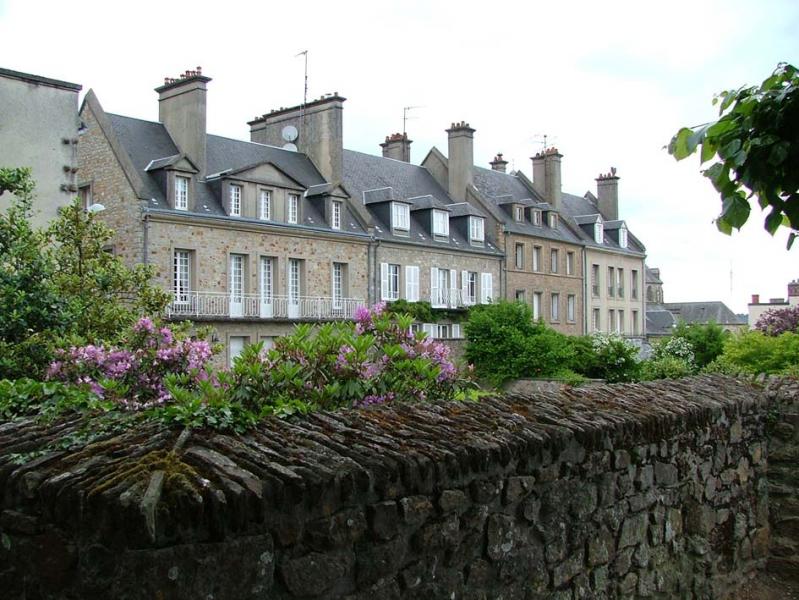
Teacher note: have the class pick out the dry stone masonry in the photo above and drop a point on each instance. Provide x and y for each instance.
(653, 490)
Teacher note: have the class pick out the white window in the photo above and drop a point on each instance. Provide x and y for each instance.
(595, 320)
(553, 220)
(555, 307)
(235, 200)
(595, 281)
(412, 283)
(611, 282)
(469, 287)
(520, 296)
(294, 285)
(554, 260)
(620, 282)
(537, 300)
(335, 215)
(181, 193)
(623, 236)
(570, 263)
(634, 284)
(236, 285)
(182, 274)
(267, 286)
(266, 205)
(389, 281)
(236, 345)
(611, 320)
(599, 232)
(294, 208)
(477, 229)
(535, 215)
(620, 321)
(338, 284)
(486, 288)
(520, 256)
(571, 302)
(400, 216)
(536, 258)
(440, 223)
(518, 213)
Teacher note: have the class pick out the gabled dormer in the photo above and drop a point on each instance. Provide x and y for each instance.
(469, 222)
(617, 231)
(433, 215)
(177, 176)
(330, 200)
(390, 210)
(593, 226)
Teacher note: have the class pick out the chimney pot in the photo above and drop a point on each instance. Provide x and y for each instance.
(755, 298)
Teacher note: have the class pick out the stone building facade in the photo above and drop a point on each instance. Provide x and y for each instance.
(39, 130)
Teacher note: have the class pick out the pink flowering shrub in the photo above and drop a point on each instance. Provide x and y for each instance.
(375, 360)
(134, 374)
(779, 320)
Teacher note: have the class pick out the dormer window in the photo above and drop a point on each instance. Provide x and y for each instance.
(266, 205)
(400, 216)
(477, 229)
(553, 220)
(535, 217)
(181, 193)
(293, 212)
(440, 222)
(599, 232)
(518, 213)
(622, 237)
(335, 215)
(235, 201)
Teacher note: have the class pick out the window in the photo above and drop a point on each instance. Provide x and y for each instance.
(519, 256)
(236, 285)
(595, 281)
(634, 322)
(444, 286)
(570, 263)
(536, 258)
(335, 215)
(400, 216)
(634, 284)
(623, 236)
(236, 345)
(440, 223)
(520, 296)
(518, 213)
(571, 302)
(620, 321)
(294, 286)
(181, 193)
(555, 307)
(554, 259)
(389, 281)
(294, 208)
(412, 283)
(553, 220)
(611, 282)
(338, 284)
(535, 216)
(537, 300)
(267, 286)
(595, 320)
(477, 229)
(235, 200)
(620, 283)
(611, 320)
(599, 232)
(85, 195)
(469, 281)
(266, 205)
(181, 285)
(443, 282)
(486, 288)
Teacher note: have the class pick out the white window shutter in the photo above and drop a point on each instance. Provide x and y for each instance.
(383, 281)
(412, 283)
(465, 287)
(485, 288)
(456, 330)
(453, 286)
(434, 289)
(429, 329)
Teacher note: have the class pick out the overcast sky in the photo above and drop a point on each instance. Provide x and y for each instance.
(609, 83)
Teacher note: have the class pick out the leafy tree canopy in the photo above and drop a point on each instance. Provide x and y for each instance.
(755, 148)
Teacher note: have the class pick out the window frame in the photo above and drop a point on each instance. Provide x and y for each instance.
(535, 217)
(400, 216)
(335, 214)
(518, 254)
(393, 289)
(569, 263)
(571, 308)
(477, 229)
(235, 195)
(440, 223)
(337, 285)
(265, 195)
(537, 250)
(181, 294)
(181, 193)
(554, 260)
(554, 307)
(293, 209)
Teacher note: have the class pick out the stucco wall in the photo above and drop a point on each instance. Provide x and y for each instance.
(630, 491)
(604, 302)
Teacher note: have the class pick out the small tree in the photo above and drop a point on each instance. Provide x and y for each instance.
(707, 341)
(779, 320)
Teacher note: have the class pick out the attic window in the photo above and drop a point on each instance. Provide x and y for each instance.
(181, 193)
(518, 213)
(535, 216)
(235, 200)
(553, 220)
(477, 229)
(599, 232)
(400, 216)
(440, 223)
(335, 215)
(622, 237)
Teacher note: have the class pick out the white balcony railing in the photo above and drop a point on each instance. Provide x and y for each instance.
(451, 298)
(253, 306)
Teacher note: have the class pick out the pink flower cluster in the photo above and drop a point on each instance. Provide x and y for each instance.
(138, 369)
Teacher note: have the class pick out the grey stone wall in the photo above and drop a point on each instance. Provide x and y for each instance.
(631, 491)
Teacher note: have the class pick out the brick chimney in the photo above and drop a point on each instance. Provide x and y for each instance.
(607, 193)
(499, 164)
(460, 160)
(546, 175)
(397, 146)
(319, 125)
(182, 108)
(755, 299)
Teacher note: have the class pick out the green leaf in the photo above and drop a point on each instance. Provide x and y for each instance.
(773, 221)
(735, 210)
(791, 239)
(723, 226)
(708, 150)
(679, 144)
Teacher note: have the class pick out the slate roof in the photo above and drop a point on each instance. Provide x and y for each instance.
(148, 144)
(703, 312)
(578, 206)
(659, 321)
(408, 183)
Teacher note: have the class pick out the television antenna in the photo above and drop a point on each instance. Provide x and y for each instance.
(543, 139)
(405, 117)
(304, 53)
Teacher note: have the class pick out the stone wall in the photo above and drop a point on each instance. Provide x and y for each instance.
(653, 490)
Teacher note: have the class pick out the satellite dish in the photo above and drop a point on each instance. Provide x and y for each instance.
(289, 133)
(290, 146)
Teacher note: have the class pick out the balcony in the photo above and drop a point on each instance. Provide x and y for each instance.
(207, 305)
(451, 298)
